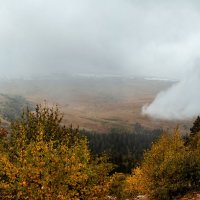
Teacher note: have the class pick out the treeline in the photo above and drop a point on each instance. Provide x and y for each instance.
(43, 159)
(124, 147)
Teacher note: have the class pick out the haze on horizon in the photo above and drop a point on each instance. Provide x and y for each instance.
(149, 38)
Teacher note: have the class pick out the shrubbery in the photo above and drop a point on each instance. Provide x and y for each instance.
(44, 160)
(169, 169)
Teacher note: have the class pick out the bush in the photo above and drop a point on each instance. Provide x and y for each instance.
(169, 169)
(117, 186)
(53, 162)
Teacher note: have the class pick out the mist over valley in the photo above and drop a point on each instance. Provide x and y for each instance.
(96, 102)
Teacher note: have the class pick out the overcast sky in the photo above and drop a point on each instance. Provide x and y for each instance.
(144, 37)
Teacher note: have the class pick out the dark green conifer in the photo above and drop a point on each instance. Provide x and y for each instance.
(196, 126)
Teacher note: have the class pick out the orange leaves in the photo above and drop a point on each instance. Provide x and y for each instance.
(44, 160)
(42, 170)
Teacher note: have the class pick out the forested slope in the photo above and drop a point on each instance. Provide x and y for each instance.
(43, 159)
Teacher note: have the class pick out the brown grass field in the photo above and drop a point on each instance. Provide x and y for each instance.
(97, 104)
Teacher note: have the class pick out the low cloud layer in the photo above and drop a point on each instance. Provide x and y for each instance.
(181, 101)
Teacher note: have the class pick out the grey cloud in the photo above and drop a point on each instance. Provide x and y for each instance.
(139, 37)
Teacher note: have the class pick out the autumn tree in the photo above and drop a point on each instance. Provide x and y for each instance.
(46, 160)
(169, 169)
(49, 118)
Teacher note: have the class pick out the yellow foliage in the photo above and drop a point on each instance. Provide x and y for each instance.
(135, 182)
(38, 168)
(169, 168)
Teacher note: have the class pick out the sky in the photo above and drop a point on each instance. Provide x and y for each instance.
(150, 38)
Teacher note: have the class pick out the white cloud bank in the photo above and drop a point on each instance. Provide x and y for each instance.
(181, 101)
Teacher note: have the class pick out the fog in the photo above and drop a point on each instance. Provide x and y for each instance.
(179, 102)
(142, 38)
(157, 38)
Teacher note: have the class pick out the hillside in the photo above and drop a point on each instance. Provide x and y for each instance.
(96, 103)
(11, 107)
